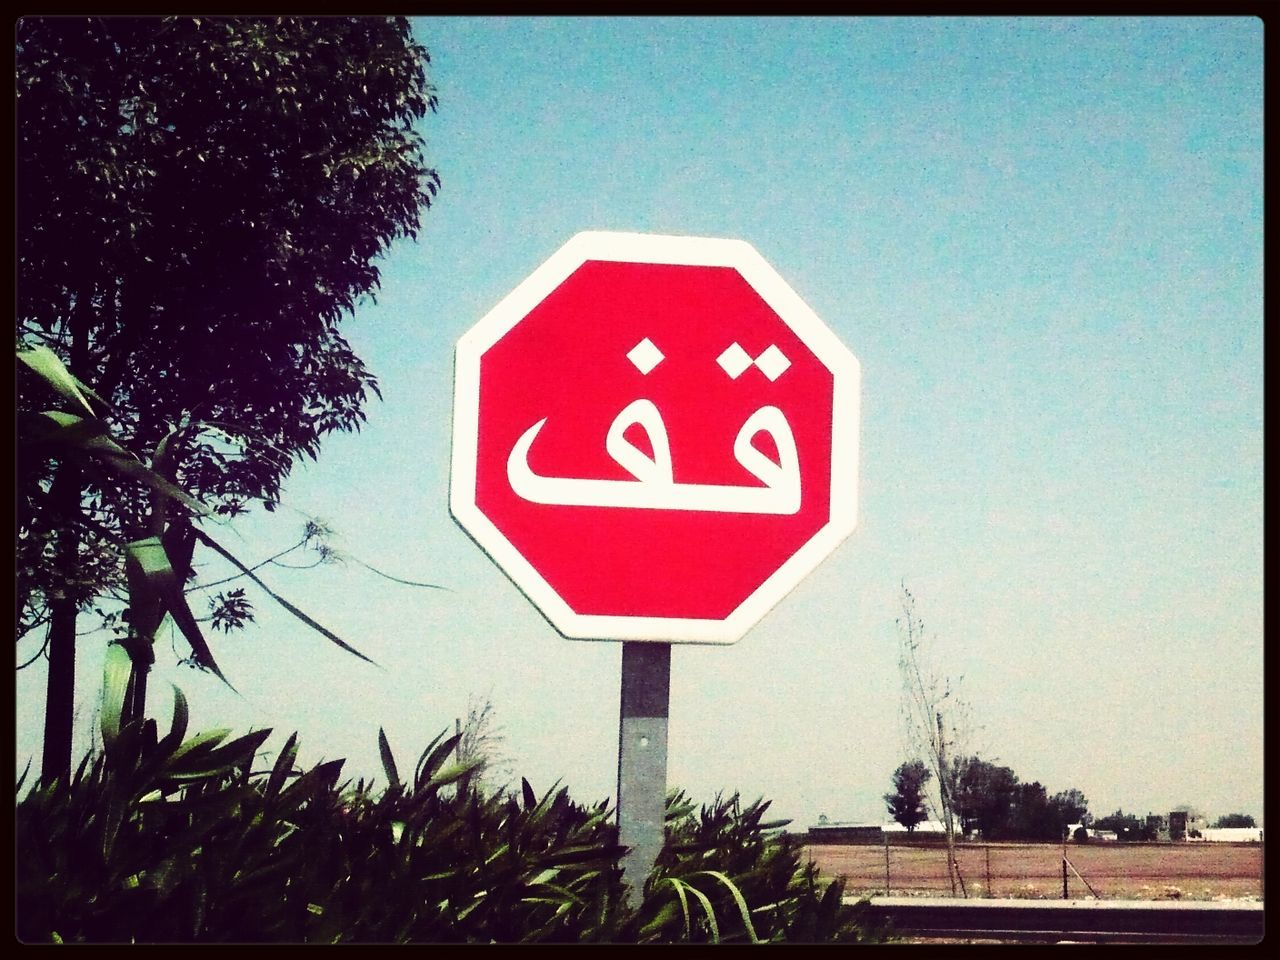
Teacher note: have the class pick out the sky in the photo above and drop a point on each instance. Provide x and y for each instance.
(1042, 239)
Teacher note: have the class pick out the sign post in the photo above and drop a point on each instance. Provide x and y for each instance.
(656, 439)
(642, 758)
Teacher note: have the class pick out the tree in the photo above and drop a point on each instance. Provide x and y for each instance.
(1069, 806)
(200, 202)
(984, 793)
(1032, 816)
(931, 716)
(907, 802)
(1235, 820)
(1117, 822)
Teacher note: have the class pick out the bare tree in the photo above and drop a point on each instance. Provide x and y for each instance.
(933, 716)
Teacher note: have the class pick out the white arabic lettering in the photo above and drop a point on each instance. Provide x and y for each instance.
(654, 486)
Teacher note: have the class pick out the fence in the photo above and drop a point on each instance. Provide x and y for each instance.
(1139, 871)
(932, 919)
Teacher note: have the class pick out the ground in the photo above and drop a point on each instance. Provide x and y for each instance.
(1111, 871)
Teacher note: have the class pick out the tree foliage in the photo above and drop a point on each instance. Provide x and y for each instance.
(1235, 820)
(906, 804)
(200, 201)
(984, 795)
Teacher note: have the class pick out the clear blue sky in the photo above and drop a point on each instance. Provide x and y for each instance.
(1043, 240)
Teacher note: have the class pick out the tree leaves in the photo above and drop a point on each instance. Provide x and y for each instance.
(183, 252)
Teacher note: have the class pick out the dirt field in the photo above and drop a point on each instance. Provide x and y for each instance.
(1114, 871)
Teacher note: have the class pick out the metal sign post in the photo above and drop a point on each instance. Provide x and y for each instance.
(642, 760)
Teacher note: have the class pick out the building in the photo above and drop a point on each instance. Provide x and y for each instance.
(837, 832)
(1232, 834)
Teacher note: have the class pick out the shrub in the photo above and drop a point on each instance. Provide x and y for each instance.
(173, 840)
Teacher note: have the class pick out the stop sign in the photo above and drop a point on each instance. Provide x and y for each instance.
(655, 438)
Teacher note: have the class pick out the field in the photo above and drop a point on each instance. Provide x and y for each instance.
(1113, 871)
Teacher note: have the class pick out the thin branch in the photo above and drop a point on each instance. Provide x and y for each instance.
(296, 566)
(408, 583)
(39, 653)
(215, 583)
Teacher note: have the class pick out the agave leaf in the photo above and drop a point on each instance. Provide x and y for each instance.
(216, 760)
(23, 779)
(664, 916)
(91, 437)
(178, 729)
(180, 610)
(709, 910)
(59, 429)
(388, 761)
(283, 766)
(136, 470)
(438, 756)
(455, 771)
(202, 742)
(530, 798)
(242, 750)
(684, 905)
(115, 681)
(502, 849)
(551, 893)
(53, 371)
(774, 824)
(321, 777)
(738, 898)
(149, 569)
(325, 631)
(420, 773)
(581, 854)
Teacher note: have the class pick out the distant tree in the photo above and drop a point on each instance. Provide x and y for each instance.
(1126, 826)
(932, 714)
(199, 203)
(1069, 806)
(1235, 820)
(907, 802)
(1117, 822)
(1032, 816)
(984, 795)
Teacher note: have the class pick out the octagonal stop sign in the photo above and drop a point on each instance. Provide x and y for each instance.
(655, 438)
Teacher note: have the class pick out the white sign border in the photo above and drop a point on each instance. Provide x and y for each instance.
(687, 251)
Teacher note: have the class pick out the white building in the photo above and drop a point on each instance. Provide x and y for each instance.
(1232, 834)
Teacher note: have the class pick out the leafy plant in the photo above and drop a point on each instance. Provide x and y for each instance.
(176, 839)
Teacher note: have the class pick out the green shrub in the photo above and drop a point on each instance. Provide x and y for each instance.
(173, 840)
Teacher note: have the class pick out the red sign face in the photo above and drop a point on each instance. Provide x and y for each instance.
(655, 438)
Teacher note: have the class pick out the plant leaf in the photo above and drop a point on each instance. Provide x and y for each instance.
(388, 761)
(51, 369)
(684, 905)
(709, 910)
(178, 729)
(115, 681)
(149, 568)
(91, 438)
(210, 542)
(454, 772)
(438, 756)
(738, 898)
(283, 766)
